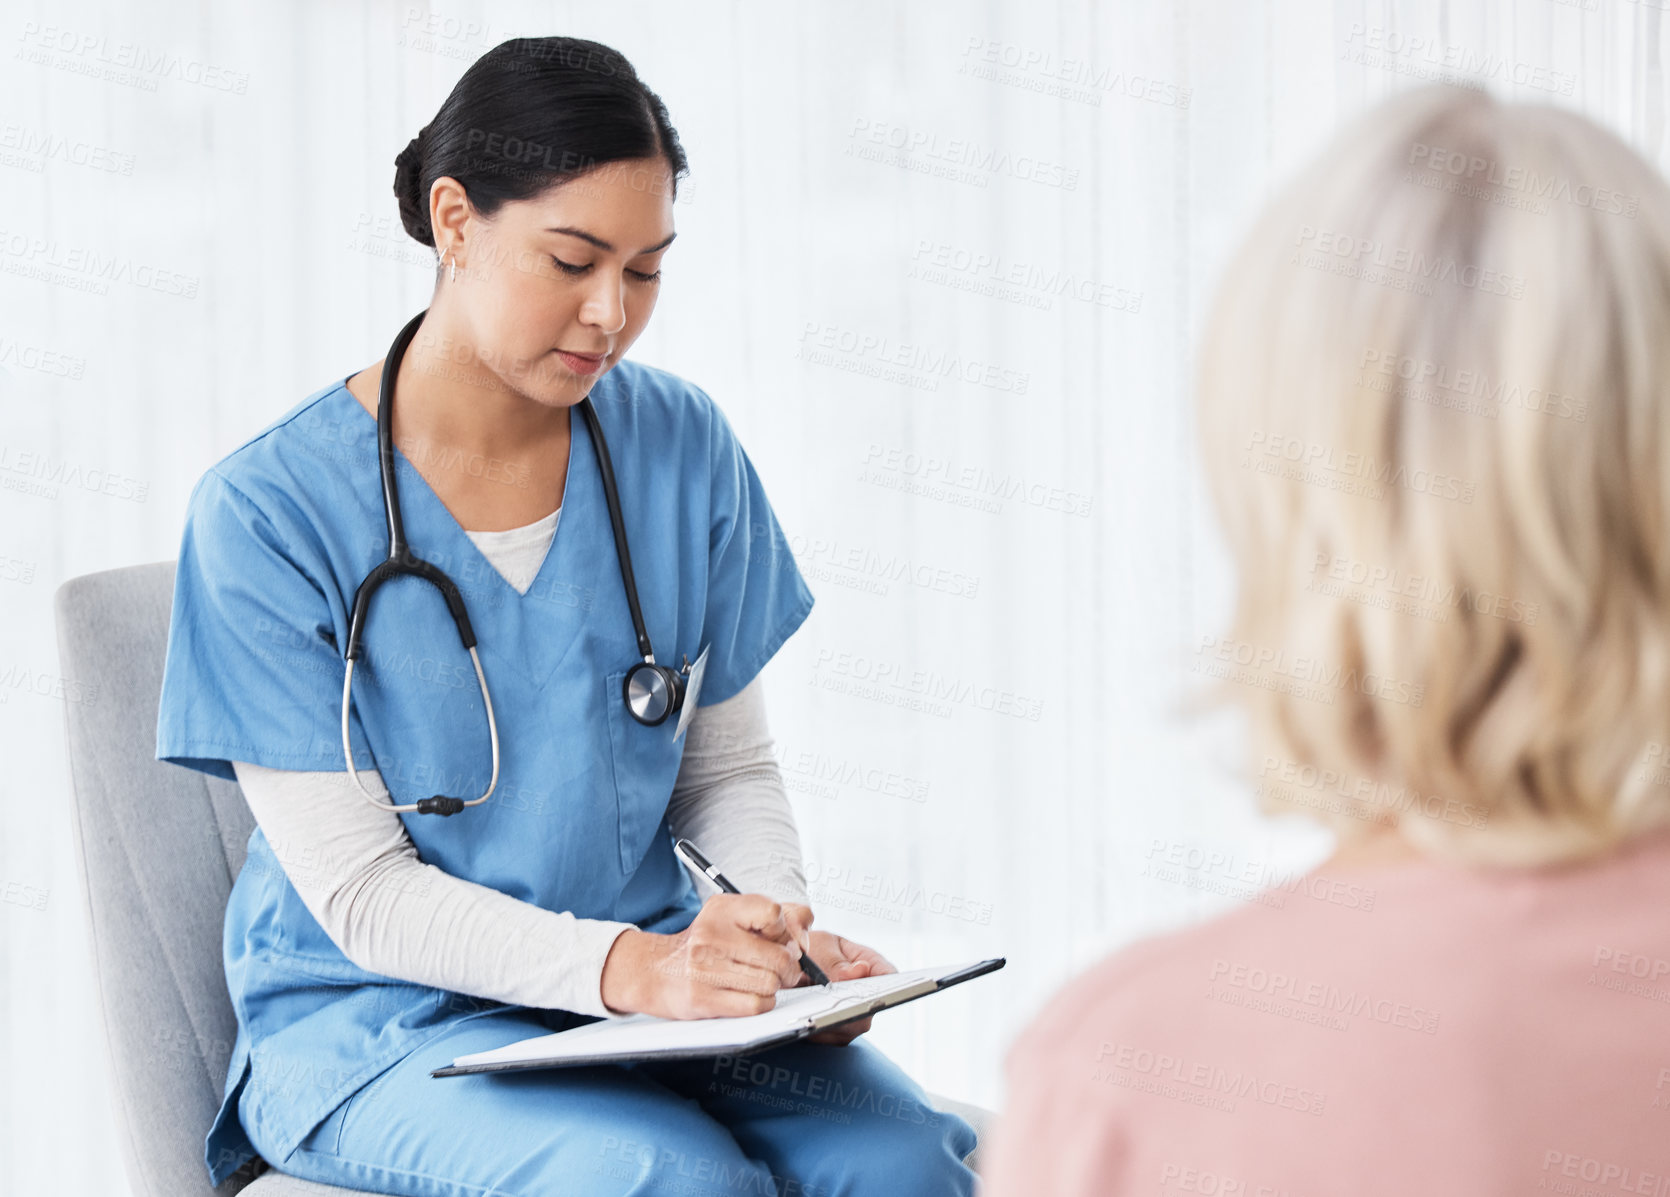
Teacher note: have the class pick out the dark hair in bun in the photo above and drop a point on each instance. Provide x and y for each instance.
(531, 112)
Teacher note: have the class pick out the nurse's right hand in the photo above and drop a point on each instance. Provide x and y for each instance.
(731, 960)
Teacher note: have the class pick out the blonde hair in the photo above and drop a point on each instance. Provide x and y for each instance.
(1432, 405)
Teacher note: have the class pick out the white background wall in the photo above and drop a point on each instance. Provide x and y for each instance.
(797, 229)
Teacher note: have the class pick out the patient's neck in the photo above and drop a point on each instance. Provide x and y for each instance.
(1383, 845)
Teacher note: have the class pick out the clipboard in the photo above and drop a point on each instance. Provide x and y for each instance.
(802, 1011)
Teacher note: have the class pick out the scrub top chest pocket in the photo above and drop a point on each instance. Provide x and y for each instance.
(645, 762)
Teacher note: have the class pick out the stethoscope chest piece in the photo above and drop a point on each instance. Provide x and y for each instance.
(652, 692)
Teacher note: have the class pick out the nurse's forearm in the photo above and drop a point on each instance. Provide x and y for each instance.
(358, 873)
(730, 800)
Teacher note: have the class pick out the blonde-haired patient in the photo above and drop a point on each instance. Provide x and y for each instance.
(1434, 412)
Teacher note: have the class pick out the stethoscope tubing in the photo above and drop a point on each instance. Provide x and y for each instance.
(401, 560)
(645, 688)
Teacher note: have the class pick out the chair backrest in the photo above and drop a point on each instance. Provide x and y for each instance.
(158, 847)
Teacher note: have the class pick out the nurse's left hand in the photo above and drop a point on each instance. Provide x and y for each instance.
(841, 959)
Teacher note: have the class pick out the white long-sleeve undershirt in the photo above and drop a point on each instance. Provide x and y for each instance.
(357, 870)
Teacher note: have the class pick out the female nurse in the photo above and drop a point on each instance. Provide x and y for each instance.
(365, 947)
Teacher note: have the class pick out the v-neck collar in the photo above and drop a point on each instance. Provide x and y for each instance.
(544, 524)
(544, 629)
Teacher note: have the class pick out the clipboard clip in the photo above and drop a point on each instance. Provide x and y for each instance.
(848, 1012)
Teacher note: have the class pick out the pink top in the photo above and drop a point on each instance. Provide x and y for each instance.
(1390, 1028)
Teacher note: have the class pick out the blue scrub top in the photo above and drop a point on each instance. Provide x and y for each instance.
(279, 534)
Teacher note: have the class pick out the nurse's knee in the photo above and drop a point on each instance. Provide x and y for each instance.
(697, 1161)
(905, 1155)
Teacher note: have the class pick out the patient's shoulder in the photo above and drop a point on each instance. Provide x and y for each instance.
(1156, 993)
(1327, 949)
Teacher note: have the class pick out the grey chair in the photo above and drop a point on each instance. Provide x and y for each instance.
(158, 848)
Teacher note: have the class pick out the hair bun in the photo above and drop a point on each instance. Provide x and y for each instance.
(408, 190)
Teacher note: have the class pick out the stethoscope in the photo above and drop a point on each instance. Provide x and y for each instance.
(652, 692)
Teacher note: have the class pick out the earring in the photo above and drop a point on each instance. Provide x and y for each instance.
(452, 272)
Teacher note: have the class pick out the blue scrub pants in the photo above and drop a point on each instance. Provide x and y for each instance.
(802, 1120)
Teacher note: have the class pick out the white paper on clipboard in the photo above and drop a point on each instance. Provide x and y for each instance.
(691, 689)
(798, 1013)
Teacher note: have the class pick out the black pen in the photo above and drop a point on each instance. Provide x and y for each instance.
(692, 856)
